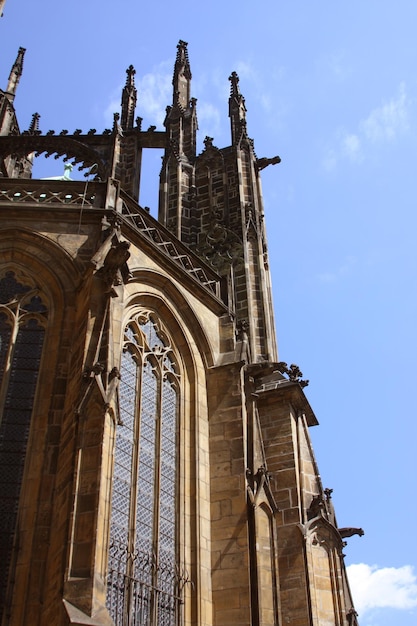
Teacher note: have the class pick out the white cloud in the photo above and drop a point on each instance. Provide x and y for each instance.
(209, 120)
(352, 147)
(383, 124)
(386, 587)
(245, 70)
(154, 94)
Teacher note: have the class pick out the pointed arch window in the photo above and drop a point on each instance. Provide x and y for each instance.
(144, 579)
(23, 317)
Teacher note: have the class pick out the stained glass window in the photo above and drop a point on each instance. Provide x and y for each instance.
(144, 582)
(22, 329)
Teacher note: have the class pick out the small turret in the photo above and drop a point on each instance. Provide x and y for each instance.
(129, 96)
(15, 73)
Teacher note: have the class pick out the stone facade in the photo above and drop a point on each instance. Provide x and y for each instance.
(163, 470)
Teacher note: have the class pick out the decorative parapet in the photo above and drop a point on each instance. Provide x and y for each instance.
(25, 190)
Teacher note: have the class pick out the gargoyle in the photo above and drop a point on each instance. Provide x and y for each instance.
(264, 162)
(349, 532)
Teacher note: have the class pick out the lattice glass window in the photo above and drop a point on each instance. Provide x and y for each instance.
(145, 583)
(22, 329)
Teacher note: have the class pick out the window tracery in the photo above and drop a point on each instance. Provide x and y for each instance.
(144, 579)
(23, 317)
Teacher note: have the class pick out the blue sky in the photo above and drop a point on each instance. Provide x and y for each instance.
(332, 88)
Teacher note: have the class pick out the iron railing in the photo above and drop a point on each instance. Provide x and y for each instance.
(73, 193)
(143, 590)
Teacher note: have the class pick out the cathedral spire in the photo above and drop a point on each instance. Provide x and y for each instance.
(16, 72)
(237, 109)
(182, 76)
(129, 96)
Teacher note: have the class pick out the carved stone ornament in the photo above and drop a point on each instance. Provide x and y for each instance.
(317, 508)
(220, 246)
(110, 260)
(258, 482)
(352, 617)
(349, 532)
(106, 382)
(293, 372)
(242, 330)
(263, 162)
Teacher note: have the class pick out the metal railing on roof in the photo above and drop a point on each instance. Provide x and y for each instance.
(75, 193)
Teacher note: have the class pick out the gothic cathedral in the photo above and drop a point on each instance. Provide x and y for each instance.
(156, 464)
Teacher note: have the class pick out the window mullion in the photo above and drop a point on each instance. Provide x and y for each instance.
(135, 461)
(157, 490)
(8, 358)
(149, 594)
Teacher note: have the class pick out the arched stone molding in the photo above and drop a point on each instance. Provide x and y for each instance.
(170, 298)
(42, 258)
(151, 293)
(263, 547)
(46, 267)
(267, 565)
(324, 557)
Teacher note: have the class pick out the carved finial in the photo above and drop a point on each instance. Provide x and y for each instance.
(293, 372)
(234, 84)
(208, 142)
(130, 78)
(237, 110)
(34, 124)
(129, 96)
(182, 61)
(116, 118)
(16, 72)
(182, 76)
(328, 493)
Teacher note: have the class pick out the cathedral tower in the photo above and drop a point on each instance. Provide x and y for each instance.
(156, 464)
